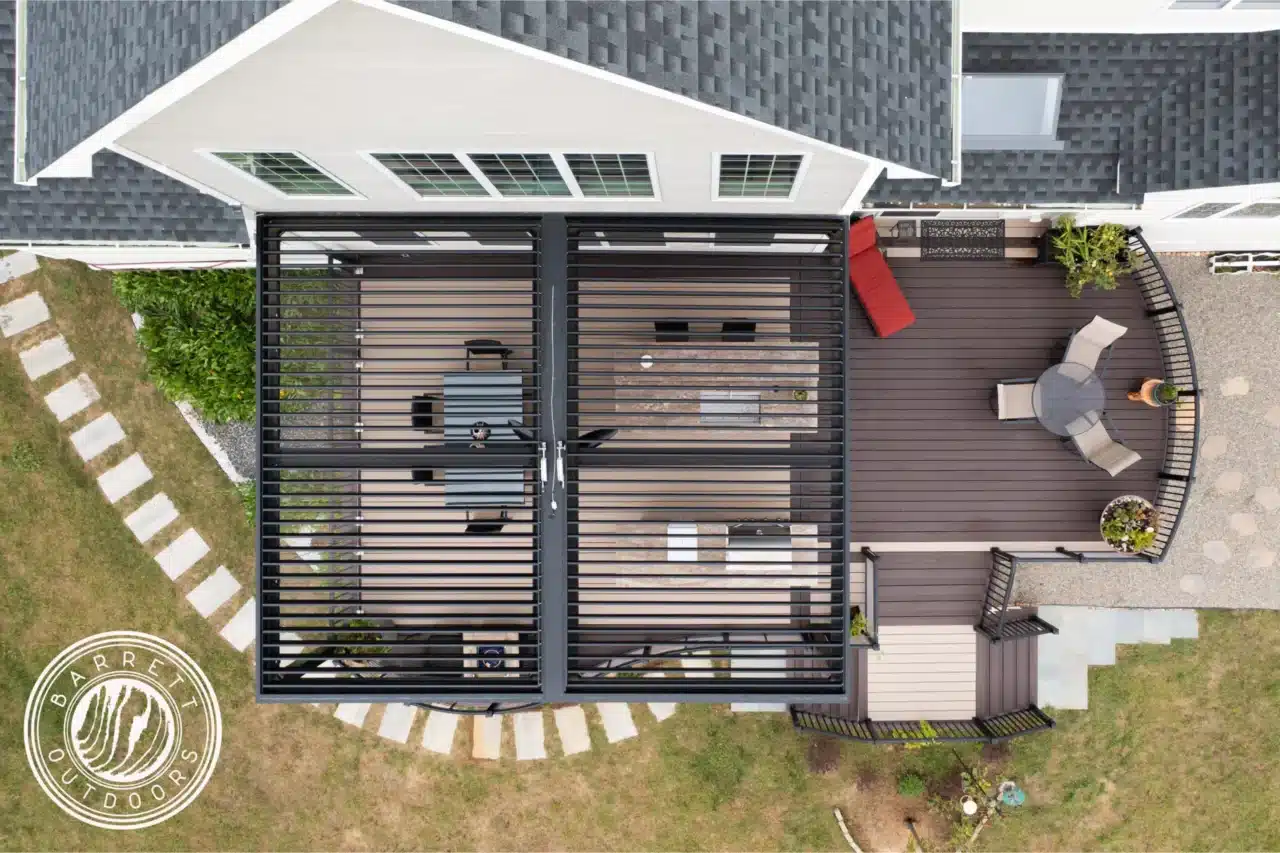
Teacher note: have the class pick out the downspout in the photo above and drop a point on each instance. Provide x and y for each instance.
(20, 92)
(957, 78)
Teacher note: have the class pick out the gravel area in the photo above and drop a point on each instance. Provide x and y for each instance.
(240, 440)
(1225, 552)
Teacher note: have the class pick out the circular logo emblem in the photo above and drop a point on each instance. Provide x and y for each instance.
(122, 730)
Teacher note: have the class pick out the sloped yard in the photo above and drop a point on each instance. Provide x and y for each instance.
(1178, 751)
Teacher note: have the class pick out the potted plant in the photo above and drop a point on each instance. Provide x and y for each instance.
(1156, 392)
(800, 395)
(857, 623)
(1129, 524)
(1095, 256)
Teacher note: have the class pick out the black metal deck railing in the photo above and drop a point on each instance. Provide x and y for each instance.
(978, 730)
(1182, 431)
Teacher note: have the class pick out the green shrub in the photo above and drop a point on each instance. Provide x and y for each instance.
(910, 785)
(198, 335)
(249, 499)
(1094, 256)
(23, 457)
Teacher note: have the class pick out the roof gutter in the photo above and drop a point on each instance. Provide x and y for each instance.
(957, 79)
(20, 93)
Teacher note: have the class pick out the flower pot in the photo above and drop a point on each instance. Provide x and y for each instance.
(1044, 247)
(1150, 394)
(1140, 531)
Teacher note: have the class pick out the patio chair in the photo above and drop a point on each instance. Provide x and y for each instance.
(422, 411)
(1095, 445)
(671, 331)
(738, 330)
(595, 438)
(874, 283)
(1011, 400)
(483, 346)
(488, 526)
(1088, 343)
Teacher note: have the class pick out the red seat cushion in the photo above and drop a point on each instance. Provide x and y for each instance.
(874, 283)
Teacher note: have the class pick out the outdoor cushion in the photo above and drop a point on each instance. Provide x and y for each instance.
(873, 281)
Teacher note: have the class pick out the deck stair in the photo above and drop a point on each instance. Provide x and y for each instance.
(1088, 636)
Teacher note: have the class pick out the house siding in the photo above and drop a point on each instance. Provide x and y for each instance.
(357, 79)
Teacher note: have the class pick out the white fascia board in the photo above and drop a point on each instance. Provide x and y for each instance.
(863, 186)
(599, 73)
(78, 162)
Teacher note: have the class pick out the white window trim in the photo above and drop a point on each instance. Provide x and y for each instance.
(1223, 214)
(210, 154)
(490, 190)
(804, 156)
(560, 156)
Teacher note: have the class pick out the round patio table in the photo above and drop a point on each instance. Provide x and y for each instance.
(1068, 398)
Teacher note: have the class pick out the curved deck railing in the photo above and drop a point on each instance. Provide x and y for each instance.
(1182, 430)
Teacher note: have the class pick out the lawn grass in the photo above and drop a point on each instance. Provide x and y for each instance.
(1178, 752)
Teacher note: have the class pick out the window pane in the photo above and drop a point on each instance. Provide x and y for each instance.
(433, 174)
(522, 174)
(1263, 210)
(758, 175)
(285, 171)
(612, 175)
(1204, 211)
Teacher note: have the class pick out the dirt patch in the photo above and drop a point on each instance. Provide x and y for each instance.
(996, 754)
(822, 754)
(877, 816)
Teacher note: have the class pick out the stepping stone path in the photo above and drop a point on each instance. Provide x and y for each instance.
(618, 724)
(72, 398)
(213, 592)
(156, 514)
(239, 632)
(529, 738)
(23, 313)
(150, 519)
(121, 481)
(353, 713)
(182, 553)
(44, 358)
(101, 434)
(486, 737)
(397, 721)
(571, 723)
(438, 734)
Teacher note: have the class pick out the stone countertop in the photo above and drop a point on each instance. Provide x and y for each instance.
(673, 386)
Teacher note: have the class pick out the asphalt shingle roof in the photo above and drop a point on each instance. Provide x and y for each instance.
(873, 77)
(1139, 113)
(88, 62)
(122, 201)
(869, 76)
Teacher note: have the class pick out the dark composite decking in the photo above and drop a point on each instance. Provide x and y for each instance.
(932, 588)
(1007, 675)
(929, 460)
